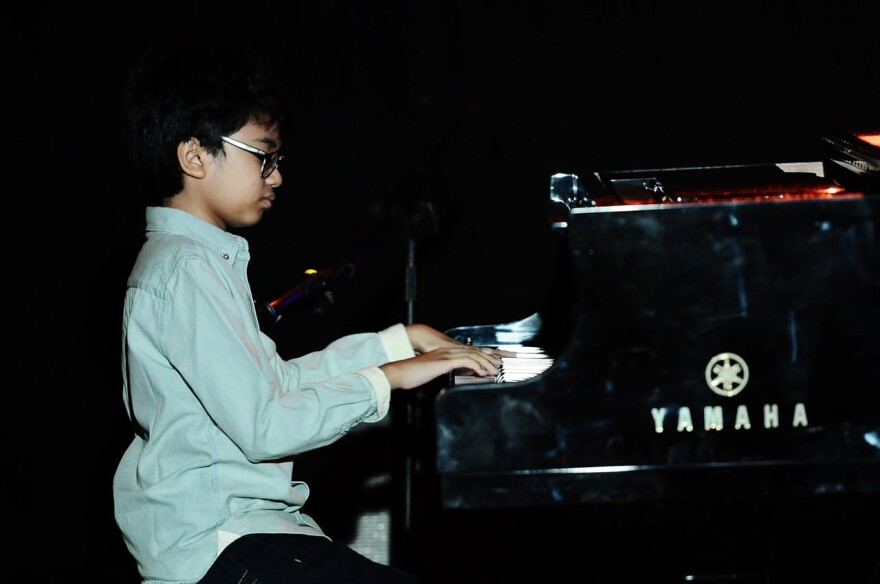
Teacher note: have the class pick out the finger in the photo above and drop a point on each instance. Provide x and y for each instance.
(498, 352)
(486, 364)
(483, 356)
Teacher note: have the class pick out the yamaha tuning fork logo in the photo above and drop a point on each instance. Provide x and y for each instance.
(727, 374)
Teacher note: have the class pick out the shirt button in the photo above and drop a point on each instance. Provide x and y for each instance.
(225, 256)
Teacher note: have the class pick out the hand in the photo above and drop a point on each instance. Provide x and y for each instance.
(419, 370)
(424, 339)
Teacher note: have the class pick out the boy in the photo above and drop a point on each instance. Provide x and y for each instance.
(204, 492)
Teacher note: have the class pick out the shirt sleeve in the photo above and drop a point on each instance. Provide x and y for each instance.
(270, 409)
(363, 352)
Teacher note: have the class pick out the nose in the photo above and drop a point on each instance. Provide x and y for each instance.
(275, 179)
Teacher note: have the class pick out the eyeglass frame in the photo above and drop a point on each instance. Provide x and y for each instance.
(261, 154)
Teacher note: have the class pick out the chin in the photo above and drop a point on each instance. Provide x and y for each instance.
(248, 221)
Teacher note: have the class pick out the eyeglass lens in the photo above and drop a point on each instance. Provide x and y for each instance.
(270, 163)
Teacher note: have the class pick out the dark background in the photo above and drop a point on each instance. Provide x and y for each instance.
(466, 107)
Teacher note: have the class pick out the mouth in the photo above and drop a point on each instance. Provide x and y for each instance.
(267, 201)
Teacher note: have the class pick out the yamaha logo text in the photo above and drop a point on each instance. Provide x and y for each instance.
(727, 375)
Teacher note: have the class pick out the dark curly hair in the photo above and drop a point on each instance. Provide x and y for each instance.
(179, 91)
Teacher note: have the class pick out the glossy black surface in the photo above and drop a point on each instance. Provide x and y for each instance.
(773, 270)
(791, 287)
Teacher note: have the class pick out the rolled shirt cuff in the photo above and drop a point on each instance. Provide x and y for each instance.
(396, 343)
(381, 388)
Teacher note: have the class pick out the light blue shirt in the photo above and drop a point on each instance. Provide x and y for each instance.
(217, 412)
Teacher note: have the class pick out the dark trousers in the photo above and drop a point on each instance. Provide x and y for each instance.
(275, 558)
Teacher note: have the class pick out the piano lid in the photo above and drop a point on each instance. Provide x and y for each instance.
(723, 342)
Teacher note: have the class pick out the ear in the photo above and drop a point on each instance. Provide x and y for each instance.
(192, 158)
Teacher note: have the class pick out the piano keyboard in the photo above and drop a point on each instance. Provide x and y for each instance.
(529, 362)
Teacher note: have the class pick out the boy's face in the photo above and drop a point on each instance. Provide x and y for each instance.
(229, 190)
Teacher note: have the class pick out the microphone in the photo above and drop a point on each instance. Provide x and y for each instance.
(314, 286)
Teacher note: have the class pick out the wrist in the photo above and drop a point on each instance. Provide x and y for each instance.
(424, 338)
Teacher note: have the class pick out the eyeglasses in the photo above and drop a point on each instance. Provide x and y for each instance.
(269, 160)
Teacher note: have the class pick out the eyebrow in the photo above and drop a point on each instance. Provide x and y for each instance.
(272, 143)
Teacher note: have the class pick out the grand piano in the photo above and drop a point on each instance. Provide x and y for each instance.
(699, 401)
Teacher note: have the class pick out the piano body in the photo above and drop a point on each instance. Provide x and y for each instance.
(711, 411)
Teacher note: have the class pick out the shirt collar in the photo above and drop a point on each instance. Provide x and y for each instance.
(170, 220)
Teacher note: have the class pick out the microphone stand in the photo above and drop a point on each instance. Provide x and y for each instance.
(410, 280)
(421, 223)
